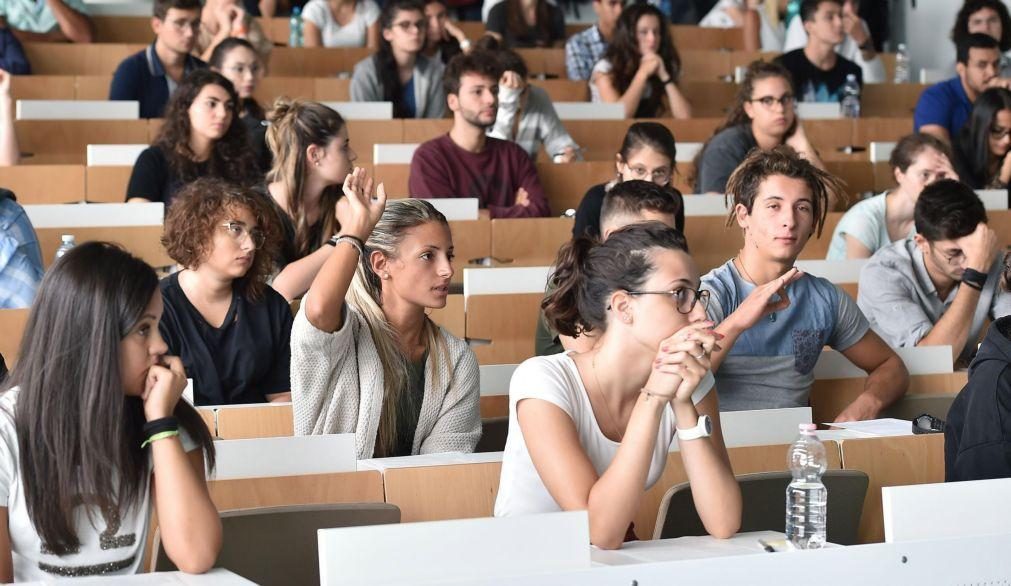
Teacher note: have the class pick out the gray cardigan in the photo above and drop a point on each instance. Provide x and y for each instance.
(429, 98)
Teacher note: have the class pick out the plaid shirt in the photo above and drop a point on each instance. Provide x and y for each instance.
(20, 256)
(582, 51)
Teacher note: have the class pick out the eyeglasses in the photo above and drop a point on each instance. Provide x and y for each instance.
(954, 259)
(684, 297)
(241, 70)
(406, 25)
(786, 100)
(998, 133)
(238, 231)
(181, 25)
(660, 176)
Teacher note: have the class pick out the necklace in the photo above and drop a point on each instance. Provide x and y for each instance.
(600, 391)
(740, 262)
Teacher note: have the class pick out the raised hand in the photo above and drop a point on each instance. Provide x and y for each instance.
(980, 248)
(761, 302)
(165, 384)
(359, 210)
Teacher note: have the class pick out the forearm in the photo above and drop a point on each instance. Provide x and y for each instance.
(730, 331)
(10, 153)
(679, 106)
(295, 278)
(325, 301)
(953, 327)
(53, 36)
(188, 521)
(76, 26)
(714, 488)
(752, 30)
(885, 385)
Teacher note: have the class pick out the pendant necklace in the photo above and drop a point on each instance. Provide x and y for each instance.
(740, 262)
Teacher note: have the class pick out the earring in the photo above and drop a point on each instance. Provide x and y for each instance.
(386, 275)
(316, 163)
(626, 318)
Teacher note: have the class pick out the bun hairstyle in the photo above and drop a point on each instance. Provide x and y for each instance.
(294, 125)
(588, 271)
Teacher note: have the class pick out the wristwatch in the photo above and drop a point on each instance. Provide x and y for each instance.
(704, 428)
(974, 279)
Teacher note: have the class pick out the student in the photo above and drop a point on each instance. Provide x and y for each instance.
(443, 40)
(341, 23)
(238, 61)
(752, 18)
(641, 67)
(976, 438)
(940, 287)
(873, 223)
(12, 54)
(95, 440)
(527, 24)
(763, 117)
(526, 115)
(152, 75)
(21, 267)
(982, 145)
(818, 72)
(50, 21)
(226, 19)
(592, 430)
(201, 137)
(312, 156)
(365, 357)
(775, 319)
(628, 202)
(943, 108)
(228, 326)
(10, 152)
(989, 17)
(857, 45)
(648, 153)
(468, 163)
(584, 49)
(398, 72)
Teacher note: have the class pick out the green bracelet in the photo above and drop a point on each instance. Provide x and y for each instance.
(158, 436)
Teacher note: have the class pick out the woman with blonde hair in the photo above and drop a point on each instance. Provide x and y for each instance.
(365, 357)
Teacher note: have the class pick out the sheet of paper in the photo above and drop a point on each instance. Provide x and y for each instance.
(878, 427)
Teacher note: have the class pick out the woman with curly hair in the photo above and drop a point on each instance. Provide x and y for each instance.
(228, 326)
(202, 137)
(641, 67)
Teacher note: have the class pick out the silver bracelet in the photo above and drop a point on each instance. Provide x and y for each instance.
(356, 243)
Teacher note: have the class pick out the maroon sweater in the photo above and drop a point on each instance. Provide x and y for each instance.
(442, 169)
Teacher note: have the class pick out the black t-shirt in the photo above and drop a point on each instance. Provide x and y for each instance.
(826, 85)
(409, 407)
(588, 213)
(533, 36)
(244, 360)
(289, 253)
(154, 179)
(258, 141)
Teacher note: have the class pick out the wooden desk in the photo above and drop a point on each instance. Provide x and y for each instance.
(435, 493)
(244, 422)
(364, 486)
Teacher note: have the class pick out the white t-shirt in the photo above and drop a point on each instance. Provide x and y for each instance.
(555, 379)
(113, 550)
(353, 34)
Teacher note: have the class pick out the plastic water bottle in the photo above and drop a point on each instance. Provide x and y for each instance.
(901, 65)
(68, 243)
(295, 28)
(806, 497)
(851, 97)
(792, 10)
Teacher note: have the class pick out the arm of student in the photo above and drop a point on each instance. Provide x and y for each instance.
(937, 131)
(887, 378)
(680, 107)
(74, 25)
(372, 36)
(284, 397)
(752, 29)
(855, 248)
(610, 94)
(536, 204)
(556, 138)
(10, 153)
(6, 557)
(458, 428)
(187, 519)
(311, 35)
(268, 8)
(296, 277)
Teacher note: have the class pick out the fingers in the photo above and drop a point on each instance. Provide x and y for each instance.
(175, 365)
(381, 196)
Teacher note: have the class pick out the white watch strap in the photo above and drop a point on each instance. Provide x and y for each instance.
(701, 429)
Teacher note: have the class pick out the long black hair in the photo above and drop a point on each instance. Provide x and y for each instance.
(961, 29)
(79, 434)
(386, 65)
(974, 153)
(624, 56)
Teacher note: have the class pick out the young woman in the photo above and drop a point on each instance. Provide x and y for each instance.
(982, 146)
(647, 153)
(341, 23)
(238, 61)
(228, 326)
(201, 137)
(591, 431)
(443, 40)
(526, 24)
(398, 72)
(312, 156)
(917, 161)
(365, 358)
(226, 19)
(762, 117)
(641, 67)
(93, 441)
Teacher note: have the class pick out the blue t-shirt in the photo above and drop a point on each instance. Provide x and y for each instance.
(771, 366)
(408, 96)
(944, 104)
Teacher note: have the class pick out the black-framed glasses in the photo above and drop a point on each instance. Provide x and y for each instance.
(406, 25)
(238, 230)
(997, 133)
(786, 100)
(684, 297)
(927, 423)
(954, 258)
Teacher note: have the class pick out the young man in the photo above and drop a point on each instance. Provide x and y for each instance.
(468, 163)
(775, 320)
(584, 49)
(152, 75)
(628, 202)
(818, 71)
(47, 21)
(20, 256)
(857, 44)
(944, 107)
(941, 286)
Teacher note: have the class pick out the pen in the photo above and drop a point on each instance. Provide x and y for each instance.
(765, 545)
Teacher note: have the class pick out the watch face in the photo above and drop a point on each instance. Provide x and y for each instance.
(709, 424)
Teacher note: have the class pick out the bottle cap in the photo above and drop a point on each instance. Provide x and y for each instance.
(67, 238)
(807, 427)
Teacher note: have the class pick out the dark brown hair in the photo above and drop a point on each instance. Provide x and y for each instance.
(197, 213)
(587, 271)
(623, 54)
(249, 106)
(477, 62)
(961, 28)
(79, 434)
(947, 210)
(231, 156)
(635, 197)
(161, 7)
(386, 64)
(517, 26)
(910, 146)
(742, 187)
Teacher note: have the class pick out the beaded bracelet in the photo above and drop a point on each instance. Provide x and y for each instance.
(158, 436)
